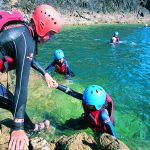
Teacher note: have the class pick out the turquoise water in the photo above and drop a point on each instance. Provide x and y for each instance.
(123, 70)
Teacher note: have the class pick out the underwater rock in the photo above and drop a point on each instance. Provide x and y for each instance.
(107, 142)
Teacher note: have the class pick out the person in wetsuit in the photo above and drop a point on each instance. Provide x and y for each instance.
(60, 64)
(115, 38)
(98, 110)
(18, 42)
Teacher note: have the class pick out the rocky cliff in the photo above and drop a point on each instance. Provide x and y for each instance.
(92, 11)
(103, 6)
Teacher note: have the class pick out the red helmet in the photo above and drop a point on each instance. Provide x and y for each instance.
(46, 19)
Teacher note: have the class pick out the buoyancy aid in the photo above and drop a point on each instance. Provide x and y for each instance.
(6, 64)
(7, 19)
(117, 38)
(60, 69)
(92, 116)
(114, 39)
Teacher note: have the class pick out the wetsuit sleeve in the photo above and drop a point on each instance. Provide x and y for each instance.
(109, 125)
(50, 66)
(70, 92)
(37, 67)
(24, 49)
(68, 70)
(19, 45)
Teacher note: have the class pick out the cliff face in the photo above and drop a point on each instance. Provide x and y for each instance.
(104, 6)
(139, 7)
(89, 11)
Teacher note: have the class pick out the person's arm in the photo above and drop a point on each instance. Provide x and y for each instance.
(50, 81)
(35, 65)
(50, 66)
(109, 125)
(70, 92)
(23, 62)
(68, 70)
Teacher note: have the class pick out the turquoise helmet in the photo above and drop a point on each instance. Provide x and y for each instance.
(94, 95)
(116, 33)
(58, 54)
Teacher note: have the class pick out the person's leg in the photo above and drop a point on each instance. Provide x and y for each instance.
(6, 102)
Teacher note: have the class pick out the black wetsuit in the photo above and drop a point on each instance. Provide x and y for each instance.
(19, 44)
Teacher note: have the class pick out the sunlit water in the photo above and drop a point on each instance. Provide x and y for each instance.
(123, 70)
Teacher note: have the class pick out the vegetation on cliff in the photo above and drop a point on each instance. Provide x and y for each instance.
(95, 11)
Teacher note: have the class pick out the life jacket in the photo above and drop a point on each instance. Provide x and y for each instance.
(6, 64)
(117, 39)
(6, 19)
(60, 69)
(92, 116)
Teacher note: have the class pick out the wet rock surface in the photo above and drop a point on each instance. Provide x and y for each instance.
(36, 143)
(79, 141)
(107, 142)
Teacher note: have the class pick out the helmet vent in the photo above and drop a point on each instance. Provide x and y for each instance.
(96, 91)
(41, 24)
(54, 22)
(48, 16)
(91, 92)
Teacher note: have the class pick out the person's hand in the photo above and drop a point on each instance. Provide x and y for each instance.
(50, 81)
(18, 139)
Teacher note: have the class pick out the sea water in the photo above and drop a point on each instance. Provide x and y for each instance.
(123, 70)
